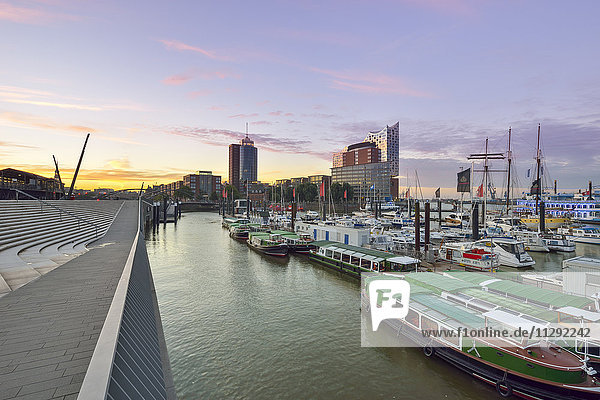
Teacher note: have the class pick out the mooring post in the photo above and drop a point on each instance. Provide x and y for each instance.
(427, 211)
(542, 217)
(475, 222)
(417, 228)
(440, 213)
(165, 211)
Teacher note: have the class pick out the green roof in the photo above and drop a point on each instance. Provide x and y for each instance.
(285, 233)
(513, 304)
(540, 295)
(413, 289)
(471, 277)
(365, 251)
(437, 282)
(449, 309)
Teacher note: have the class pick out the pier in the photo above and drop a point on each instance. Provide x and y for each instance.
(89, 328)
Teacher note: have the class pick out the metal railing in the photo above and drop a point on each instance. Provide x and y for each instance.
(60, 210)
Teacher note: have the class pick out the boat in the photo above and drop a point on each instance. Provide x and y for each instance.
(239, 231)
(584, 234)
(533, 240)
(233, 220)
(267, 243)
(533, 221)
(558, 242)
(297, 243)
(511, 252)
(476, 259)
(354, 260)
(528, 368)
(456, 219)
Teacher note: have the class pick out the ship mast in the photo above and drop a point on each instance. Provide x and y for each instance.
(509, 156)
(539, 184)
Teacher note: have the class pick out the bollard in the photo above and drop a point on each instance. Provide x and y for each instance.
(417, 228)
(475, 222)
(427, 211)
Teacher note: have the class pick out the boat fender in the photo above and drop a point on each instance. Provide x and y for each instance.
(504, 388)
(428, 350)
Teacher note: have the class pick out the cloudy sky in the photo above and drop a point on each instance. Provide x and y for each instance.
(165, 86)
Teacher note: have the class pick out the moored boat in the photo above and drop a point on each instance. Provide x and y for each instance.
(477, 259)
(297, 243)
(511, 252)
(266, 243)
(584, 234)
(525, 367)
(355, 260)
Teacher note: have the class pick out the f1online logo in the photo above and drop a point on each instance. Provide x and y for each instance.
(388, 299)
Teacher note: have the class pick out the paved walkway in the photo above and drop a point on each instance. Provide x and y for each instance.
(49, 327)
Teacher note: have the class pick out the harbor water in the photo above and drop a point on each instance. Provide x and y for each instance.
(242, 325)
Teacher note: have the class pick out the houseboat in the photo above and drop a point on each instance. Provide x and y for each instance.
(354, 260)
(267, 243)
(511, 252)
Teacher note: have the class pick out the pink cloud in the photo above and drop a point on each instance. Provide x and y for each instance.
(244, 115)
(34, 16)
(216, 108)
(276, 113)
(179, 46)
(199, 93)
(177, 79)
(366, 82)
(262, 123)
(187, 76)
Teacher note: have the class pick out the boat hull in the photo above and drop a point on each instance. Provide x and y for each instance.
(276, 251)
(522, 386)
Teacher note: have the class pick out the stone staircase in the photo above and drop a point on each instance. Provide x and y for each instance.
(37, 237)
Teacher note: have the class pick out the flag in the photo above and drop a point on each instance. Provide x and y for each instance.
(480, 191)
(372, 187)
(528, 172)
(322, 190)
(223, 194)
(437, 193)
(407, 193)
(535, 187)
(464, 181)
(345, 194)
(294, 193)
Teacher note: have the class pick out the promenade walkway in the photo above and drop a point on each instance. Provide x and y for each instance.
(49, 327)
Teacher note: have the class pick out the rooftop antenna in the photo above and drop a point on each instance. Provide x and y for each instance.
(78, 165)
(246, 129)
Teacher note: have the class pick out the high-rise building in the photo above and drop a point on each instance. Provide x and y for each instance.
(388, 141)
(243, 162)
(203, 184)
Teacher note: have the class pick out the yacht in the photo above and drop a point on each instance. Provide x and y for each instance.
(511, 252)
(557, 242)
(584, 234)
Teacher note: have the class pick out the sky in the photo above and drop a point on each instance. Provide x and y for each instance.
(165, 86)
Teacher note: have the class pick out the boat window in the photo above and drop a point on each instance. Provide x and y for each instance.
(412, 318)
(427, 324)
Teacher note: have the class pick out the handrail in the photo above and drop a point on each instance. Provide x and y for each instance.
(97, 378)
(58, 208)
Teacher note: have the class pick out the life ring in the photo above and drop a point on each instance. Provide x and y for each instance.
(428, 350)
(507, 391)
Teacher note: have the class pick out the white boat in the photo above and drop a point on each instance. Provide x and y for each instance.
(533, 240)
(511, 252)
(456, 219)
(582, 235)
(478, 259)
(556, 242)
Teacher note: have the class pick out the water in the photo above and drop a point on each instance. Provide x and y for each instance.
(241, 325)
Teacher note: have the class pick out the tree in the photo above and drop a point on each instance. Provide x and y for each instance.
(184, 192)
(337, 192)
(214, 196)
(311, 191)
(236, 192)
